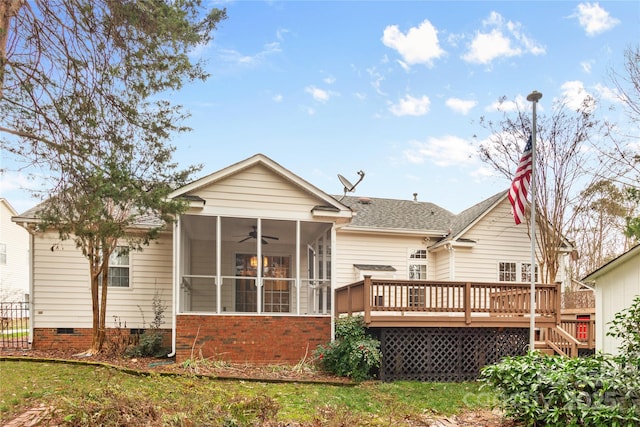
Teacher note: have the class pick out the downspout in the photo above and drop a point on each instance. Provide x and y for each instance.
(334, 249)
(176, 287)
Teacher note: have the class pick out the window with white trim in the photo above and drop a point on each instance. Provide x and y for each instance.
(525, 272)
(417, 266)
(3, 253)
(417, 296)
(119, 268)
(515, 272)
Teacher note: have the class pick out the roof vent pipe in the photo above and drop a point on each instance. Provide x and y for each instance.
(415, 197)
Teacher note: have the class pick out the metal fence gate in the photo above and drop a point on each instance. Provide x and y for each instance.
(14, 325)
(445, 354)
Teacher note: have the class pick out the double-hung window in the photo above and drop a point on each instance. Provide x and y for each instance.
(417, 264)
(515, 272)
(119, 268)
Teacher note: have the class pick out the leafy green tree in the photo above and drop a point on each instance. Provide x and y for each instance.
(633, 221)
(82, 93)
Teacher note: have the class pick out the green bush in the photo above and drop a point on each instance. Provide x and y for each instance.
(539, 389)
(601, 390)
(150, 343)
(353, 354)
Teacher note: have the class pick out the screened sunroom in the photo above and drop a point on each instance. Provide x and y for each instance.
(230, 265)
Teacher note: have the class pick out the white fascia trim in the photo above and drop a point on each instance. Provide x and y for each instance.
(396, 231)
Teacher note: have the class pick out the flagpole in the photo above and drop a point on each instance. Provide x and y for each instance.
(533, 97)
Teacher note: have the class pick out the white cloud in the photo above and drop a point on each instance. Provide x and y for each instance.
(574, 94)
(594, 19)
(199, 50)
(418, 46)
(506, 105)
(608, 93)
(486, 47)
(329, 80)
(277, 98)
(445, 151)
(410, 106)
(280, 32)
(461, 106)
(501, 39)
(586, 66)
(318, 94)
(235, 57)
(376, 80)
(309, 110)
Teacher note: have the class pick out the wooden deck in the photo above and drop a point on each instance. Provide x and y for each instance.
(410, 303)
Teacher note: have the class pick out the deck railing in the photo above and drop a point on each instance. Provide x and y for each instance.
(583, 330)
(448, 303)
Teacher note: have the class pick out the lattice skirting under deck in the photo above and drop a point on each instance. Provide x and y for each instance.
(445, 354)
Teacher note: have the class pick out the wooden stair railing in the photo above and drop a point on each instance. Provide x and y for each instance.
(562, 342)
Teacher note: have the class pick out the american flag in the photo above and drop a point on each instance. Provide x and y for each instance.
(520, 185)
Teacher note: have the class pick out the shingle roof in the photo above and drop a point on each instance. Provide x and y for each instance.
(373, 212)
(469, 215)
(141, 220)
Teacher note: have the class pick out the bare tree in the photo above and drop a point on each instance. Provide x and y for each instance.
(560, 168)
(598, 226)
(625, 160)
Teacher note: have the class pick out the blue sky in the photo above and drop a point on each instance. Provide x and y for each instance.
(392, 88)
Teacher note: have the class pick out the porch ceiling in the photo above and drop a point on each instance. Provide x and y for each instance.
(235, 229)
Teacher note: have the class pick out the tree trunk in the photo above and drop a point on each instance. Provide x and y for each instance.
(8, 9)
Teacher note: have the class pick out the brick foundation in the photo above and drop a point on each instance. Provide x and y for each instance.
(252, 339)
(79, 339)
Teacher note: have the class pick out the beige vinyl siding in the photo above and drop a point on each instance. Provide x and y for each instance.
(497, 239)
(62, 296)
(257, 190)
(356, 248)
(14, 272)
(615, 291)
(440, 263)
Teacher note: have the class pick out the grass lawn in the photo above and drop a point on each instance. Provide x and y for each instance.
(96, 395)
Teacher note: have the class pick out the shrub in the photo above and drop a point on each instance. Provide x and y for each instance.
(626, 327)
(557, 391)
(353, 354)
(150, 343)
(539, 389)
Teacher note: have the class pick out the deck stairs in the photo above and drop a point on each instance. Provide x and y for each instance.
(557, 341)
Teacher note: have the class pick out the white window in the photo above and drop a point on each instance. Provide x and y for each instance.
(3, 253)
(507, 272)
(515, 272)
(119, 268)
(525, 272)
(417, 266)
(417, 297)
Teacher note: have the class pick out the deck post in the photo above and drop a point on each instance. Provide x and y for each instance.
(467, 303)
(558, 307)
(367, 299)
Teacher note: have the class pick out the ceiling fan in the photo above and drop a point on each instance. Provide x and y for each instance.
(254, 235)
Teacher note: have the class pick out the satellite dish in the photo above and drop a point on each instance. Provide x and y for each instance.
(348, 186)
